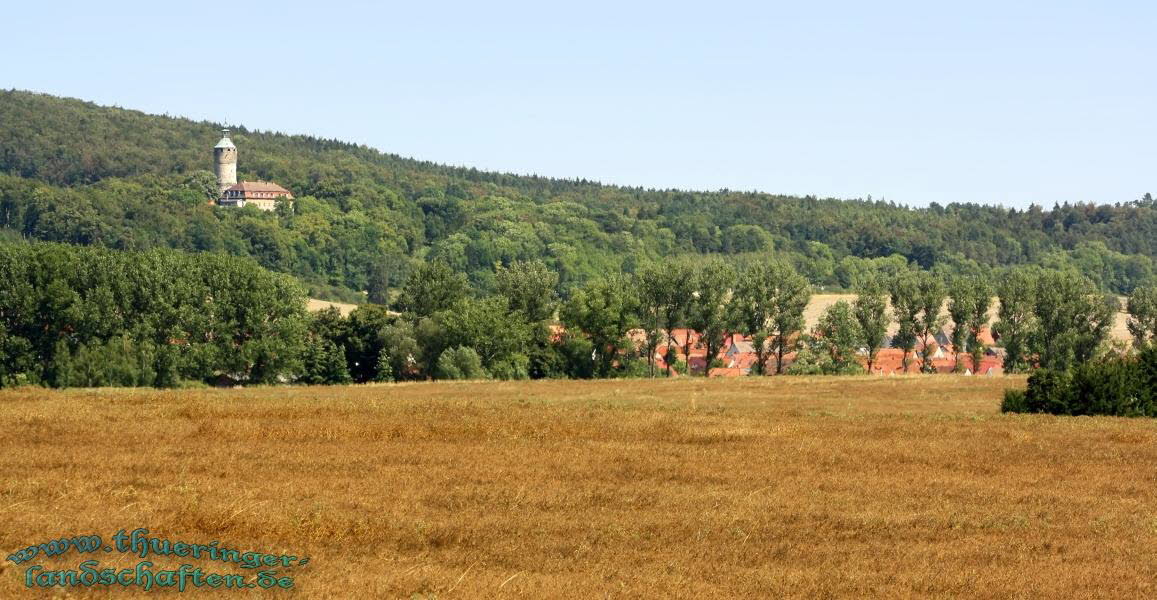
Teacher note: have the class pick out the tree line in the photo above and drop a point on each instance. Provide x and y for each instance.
(615, 326)
(79, 316)
(84, 316)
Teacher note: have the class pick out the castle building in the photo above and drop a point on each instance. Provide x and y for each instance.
(262, 194)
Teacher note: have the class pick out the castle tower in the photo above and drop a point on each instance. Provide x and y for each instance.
(225, 164)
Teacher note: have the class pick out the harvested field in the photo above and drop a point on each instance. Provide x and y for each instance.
(752, 487)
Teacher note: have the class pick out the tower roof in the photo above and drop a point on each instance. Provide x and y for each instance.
(225, 141)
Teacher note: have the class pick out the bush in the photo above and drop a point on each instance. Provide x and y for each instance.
(515, 366)
(575, 355)
(1121, 386)
(817, 361)
(459, 363)
(633, 368)
(1014, 401)
(324, 363)
(1111, 387)
(118, 362)
(385, 367)
(1048, 392)
(1148, 360)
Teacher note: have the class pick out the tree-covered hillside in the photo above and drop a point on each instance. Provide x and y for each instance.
(75, 172)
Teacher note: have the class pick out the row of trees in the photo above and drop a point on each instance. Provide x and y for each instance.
(76, 316)
(614, 325)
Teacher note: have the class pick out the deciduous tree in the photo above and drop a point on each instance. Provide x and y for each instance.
(709, 309)
(870, 310)
(1143, 315)
(1074, 318)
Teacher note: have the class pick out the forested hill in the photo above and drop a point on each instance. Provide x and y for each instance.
(76, 172)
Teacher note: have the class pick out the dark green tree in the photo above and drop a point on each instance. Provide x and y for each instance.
(838, 333)
(604, 311)
(1143, 315)
(905, 292)
(324, 363)
(870, 310)
(432, 287)
(1017, 324)
(929, 320)
(791, 298)
(485, 327)
(529, 288)
(969, 300)
(709, 311)
(664, 295)
(769, 301)
(1074, 319)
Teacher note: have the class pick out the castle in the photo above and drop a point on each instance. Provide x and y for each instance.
(262, 194)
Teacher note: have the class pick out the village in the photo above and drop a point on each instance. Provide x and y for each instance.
(738, 357)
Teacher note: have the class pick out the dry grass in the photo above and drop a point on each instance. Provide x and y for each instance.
(315, 305)
(809, 487)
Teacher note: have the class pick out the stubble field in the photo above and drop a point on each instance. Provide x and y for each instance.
(754, 487)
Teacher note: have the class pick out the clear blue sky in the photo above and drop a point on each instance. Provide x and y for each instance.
(992, 102)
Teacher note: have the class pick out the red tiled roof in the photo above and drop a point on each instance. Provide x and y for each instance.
(259, 186)
(724, 372)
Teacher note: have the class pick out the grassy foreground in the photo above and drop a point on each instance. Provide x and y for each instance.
(813, 487)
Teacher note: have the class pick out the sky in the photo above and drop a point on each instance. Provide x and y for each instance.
(1006, 103)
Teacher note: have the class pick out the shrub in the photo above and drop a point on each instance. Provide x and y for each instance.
(1110, 387)
(1123, 386)
(634, 368)
(515, 366)
(459, 363)
(575, 352)
(1048, 392)
(385, 367)
(809, 362)
(324, 363)
(1148, 360)
(1014, 401)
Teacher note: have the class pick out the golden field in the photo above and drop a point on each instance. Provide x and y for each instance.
(752, 487)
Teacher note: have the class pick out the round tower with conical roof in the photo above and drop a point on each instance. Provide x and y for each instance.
(225, 164)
